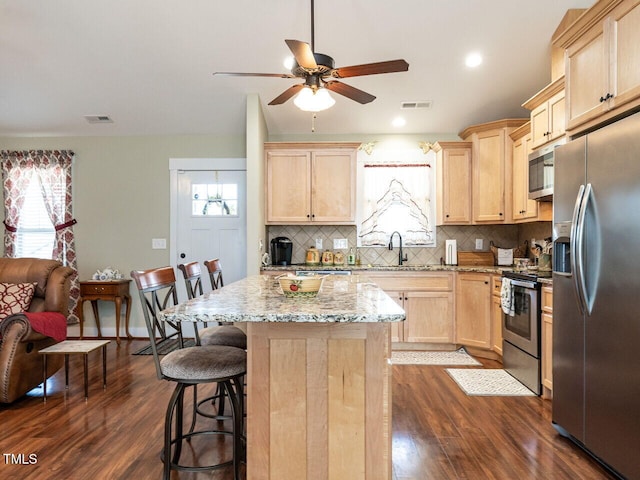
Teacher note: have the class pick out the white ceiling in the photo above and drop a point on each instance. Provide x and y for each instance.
(148, 64)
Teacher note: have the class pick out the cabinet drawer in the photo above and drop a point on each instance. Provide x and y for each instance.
(99, 289)
(436, 282)
(547, 299)
(496, 285)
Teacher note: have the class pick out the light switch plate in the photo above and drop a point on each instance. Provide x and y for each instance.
(319, 243)
(479, 244)
(159, 243)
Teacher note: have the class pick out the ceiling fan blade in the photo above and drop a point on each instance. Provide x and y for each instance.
(286, 95)
(371, 69)
(350, 92)
(239, 74)
(303, 53)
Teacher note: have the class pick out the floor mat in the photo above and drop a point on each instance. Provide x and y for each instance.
(488, 382)
(458, 357)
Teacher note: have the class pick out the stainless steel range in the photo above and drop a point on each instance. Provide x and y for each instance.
(521, 329)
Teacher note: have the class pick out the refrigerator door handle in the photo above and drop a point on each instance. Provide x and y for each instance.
(575, 245)
(595, 245)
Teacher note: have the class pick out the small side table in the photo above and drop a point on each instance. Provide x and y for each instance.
(110, 290)
(69, 347)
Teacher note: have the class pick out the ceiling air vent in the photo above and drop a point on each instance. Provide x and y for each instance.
(414, 105)
(98, 119)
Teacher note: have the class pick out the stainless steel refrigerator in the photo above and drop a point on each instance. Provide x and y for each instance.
(596, 293)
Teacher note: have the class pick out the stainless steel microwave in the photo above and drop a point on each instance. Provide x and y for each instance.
(541, 172)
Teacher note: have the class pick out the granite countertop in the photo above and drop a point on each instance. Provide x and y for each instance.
(259, 298)
(390, 268)
(397, 268)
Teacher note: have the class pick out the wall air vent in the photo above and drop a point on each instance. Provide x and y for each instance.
(98, 119)
(415, 105)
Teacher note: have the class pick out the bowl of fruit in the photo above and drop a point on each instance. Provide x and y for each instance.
(301, 285)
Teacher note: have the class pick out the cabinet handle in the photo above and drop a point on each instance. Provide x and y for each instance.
(606, 97)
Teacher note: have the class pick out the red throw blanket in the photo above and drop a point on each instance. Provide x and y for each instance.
(51, 324)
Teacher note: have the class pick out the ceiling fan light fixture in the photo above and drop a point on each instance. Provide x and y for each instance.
(309, 101)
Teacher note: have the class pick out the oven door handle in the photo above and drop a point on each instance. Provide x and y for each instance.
(523, 284)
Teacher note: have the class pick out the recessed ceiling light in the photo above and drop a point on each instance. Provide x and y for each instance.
(288, 63)
(473, 60)
(398, 122)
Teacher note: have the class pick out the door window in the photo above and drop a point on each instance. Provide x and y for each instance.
(214, 199)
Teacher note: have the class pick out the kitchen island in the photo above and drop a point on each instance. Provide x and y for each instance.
(318, 375)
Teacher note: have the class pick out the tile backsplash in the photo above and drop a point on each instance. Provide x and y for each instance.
(505, 236)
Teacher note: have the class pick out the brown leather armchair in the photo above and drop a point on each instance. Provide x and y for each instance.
(20, 364)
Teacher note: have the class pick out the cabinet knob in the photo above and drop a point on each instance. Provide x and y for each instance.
(500, 214)
(447, 215)
(308, 216)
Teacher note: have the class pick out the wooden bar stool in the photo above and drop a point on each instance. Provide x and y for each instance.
(190, 366)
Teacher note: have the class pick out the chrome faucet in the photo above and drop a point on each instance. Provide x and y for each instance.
(401, 258)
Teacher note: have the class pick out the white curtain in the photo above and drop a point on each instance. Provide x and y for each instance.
(398, 195)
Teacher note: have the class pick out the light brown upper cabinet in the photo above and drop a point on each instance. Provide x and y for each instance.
(491, 169)
(310, 183)
(453, 171)
(523, 208)
(547, 114)
(602, 63)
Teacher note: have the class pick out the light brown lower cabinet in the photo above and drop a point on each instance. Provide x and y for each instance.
(429, 317)
(496, 314)
(473, 310)
(547, 342)
(428, 301)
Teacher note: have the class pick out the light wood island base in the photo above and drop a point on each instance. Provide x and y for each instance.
(319, 401)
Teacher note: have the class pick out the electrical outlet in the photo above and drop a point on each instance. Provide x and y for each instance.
(319, 243)
(479, 244)
(340, 244)
(159, 243)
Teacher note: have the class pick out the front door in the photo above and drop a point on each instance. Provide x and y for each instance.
(211, 221)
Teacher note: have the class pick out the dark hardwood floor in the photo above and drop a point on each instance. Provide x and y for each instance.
(438, 431)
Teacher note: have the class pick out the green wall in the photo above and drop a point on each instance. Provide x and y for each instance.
(121, 198)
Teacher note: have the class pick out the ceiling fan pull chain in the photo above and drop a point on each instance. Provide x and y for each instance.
(313, 123)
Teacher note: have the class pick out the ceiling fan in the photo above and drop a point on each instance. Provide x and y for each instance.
(318, 72)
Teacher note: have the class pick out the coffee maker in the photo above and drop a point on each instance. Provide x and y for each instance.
(281, 249)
